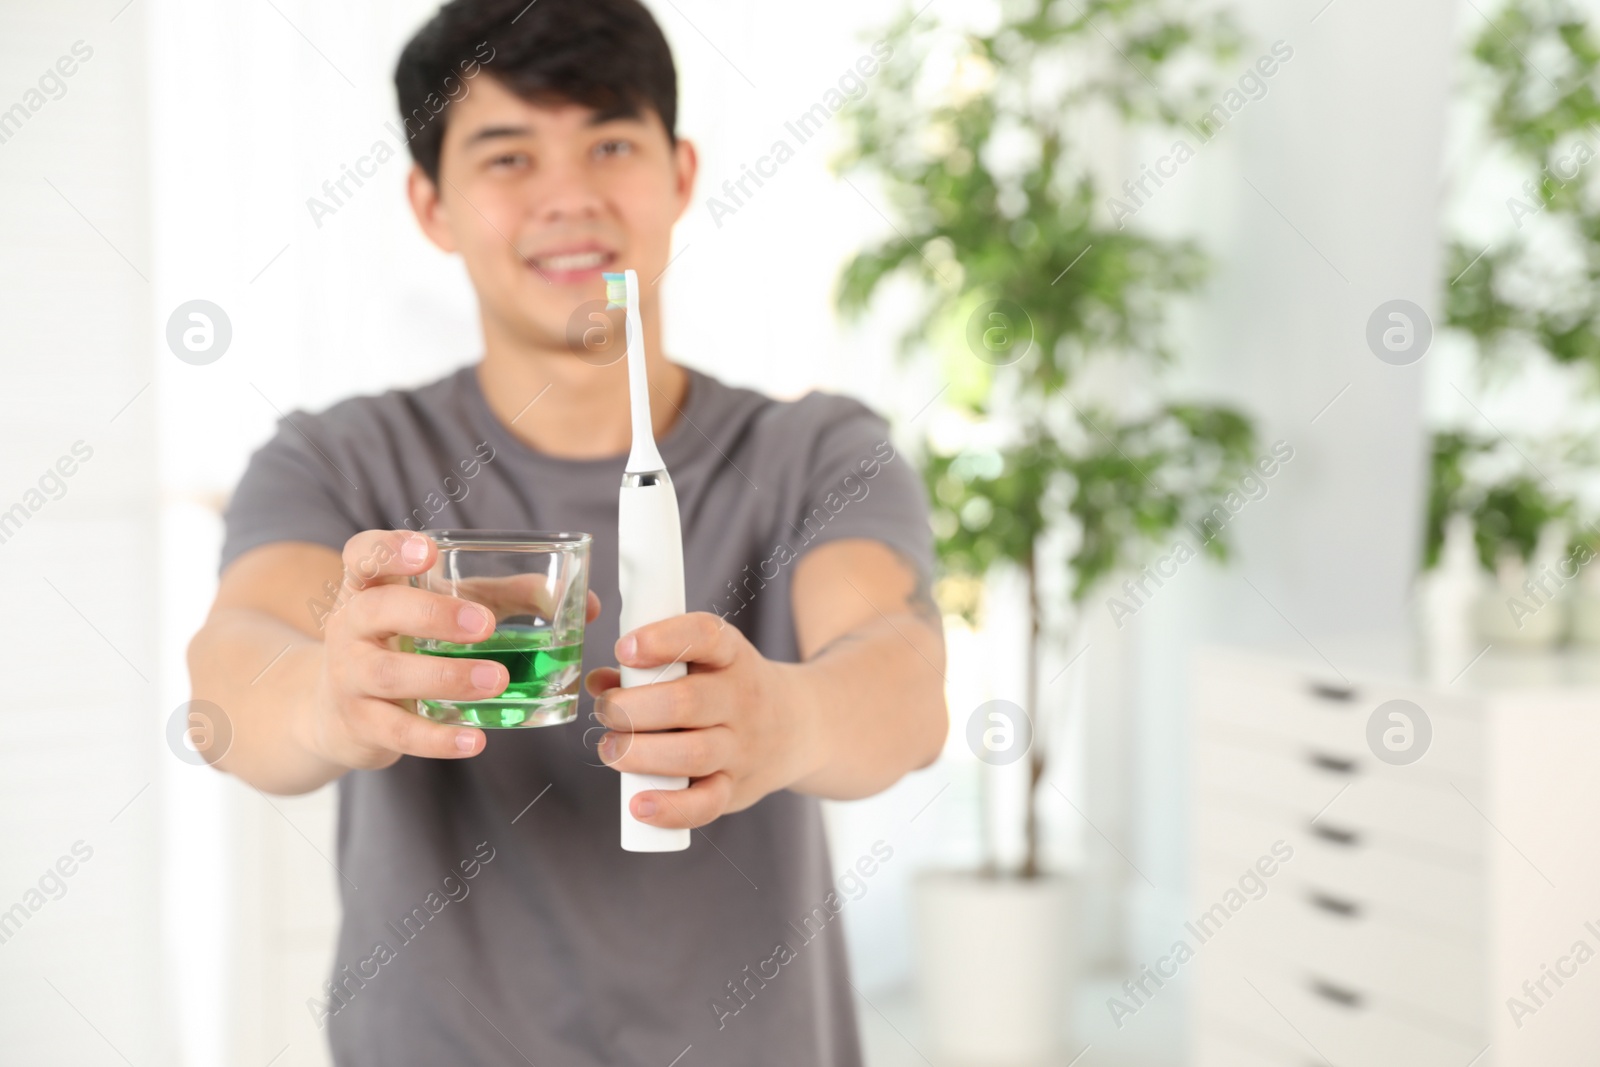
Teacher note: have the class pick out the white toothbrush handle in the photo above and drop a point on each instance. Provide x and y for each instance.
(650, 581)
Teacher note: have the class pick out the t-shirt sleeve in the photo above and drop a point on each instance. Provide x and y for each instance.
(290, 491)
(859, 485)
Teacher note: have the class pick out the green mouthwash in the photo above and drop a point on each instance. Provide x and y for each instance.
(544, 675)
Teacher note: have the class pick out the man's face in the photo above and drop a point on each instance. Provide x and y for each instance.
(539, 199)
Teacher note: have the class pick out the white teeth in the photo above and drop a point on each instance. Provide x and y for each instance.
(576, 261)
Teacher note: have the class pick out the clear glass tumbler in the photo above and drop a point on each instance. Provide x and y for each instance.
(536, 585)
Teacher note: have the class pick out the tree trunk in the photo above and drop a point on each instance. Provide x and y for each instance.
(1036, 750)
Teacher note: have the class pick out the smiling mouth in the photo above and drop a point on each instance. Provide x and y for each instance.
(569, 264)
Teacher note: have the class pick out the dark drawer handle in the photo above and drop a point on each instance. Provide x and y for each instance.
(1345, 998)
(1348, 838)
(1337, 764)
(1346, 909)
(1333, 691)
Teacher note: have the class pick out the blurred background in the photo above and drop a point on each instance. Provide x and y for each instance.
(1249, 351)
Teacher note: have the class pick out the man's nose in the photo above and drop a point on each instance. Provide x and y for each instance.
(568, 193)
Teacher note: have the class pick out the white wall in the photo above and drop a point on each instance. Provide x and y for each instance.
(81, 720)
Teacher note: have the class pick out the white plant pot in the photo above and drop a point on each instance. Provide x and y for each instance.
(1586, 619)
(1526, 603)
(997, 964)
(1497, 624)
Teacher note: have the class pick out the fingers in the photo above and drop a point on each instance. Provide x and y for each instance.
(386, 731)
(376, 731)
(366, 728)
(600, 679)
(390, 675)
(684, 703)
(698, 637)
(373, 555)
(592, 607)
(676, 809)
(388, 610)
(691, 753)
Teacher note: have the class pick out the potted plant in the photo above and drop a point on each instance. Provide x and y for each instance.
(1526, 300)
(1584, 626)
(1061, 457)
(1517, 526)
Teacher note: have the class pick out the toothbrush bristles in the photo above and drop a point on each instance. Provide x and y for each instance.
(616, 290)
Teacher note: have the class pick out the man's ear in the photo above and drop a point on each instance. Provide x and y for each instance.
(687, 162)
(431, 213)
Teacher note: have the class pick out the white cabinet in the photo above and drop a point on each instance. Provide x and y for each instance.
(1442, 912)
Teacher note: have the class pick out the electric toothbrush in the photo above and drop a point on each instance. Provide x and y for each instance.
(649, 557)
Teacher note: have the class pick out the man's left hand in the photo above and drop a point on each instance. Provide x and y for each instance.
(733, 725)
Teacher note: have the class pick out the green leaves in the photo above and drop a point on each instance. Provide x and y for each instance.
(994, 200)
(1510, 516)
(1539, 60)
(1536, 294)
(1130, 484)
(1539, 101)
(987, 506)
(1481, 477)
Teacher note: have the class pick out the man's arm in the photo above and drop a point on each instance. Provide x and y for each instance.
(872, 646)
(257, 658)
(864, 706)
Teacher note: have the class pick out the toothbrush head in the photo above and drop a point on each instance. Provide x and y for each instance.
(616, 290)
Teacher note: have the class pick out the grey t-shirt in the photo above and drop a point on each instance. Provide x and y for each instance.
(490, 915)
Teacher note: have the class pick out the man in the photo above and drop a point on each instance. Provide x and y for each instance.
(489, 914)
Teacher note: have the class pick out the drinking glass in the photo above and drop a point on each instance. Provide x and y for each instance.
(536, 585)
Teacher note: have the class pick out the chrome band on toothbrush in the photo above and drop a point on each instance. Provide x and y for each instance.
(633, 480)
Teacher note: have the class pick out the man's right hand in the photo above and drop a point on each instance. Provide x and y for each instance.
(362, 713)
(359, 714)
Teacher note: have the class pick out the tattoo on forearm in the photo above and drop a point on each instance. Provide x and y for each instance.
(920, 600)
(847, 638)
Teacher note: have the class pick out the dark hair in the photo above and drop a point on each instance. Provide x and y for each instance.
(605, 54)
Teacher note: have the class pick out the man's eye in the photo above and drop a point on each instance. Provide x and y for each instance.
(612, 148)
(510, 159)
